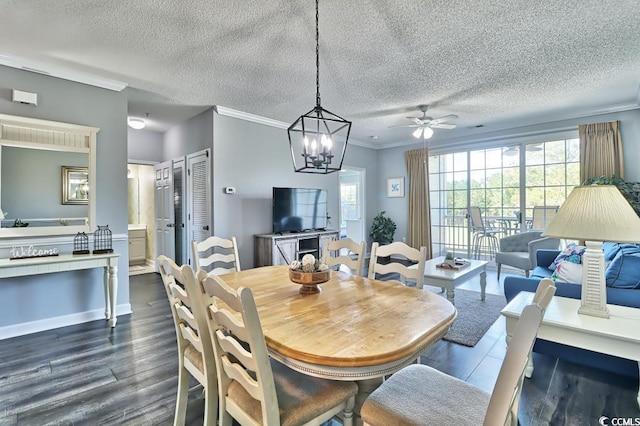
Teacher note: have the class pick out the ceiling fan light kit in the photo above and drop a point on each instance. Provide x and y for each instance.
(423, 133)
(319, 136)
(425, 125)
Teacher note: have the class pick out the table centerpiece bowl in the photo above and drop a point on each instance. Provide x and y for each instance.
(309, 280)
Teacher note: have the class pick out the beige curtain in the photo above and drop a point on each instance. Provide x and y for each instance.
(600, 150)
(419, 223)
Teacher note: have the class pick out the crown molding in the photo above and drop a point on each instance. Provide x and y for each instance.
(61, 72)
(228, 112)
(250, 117)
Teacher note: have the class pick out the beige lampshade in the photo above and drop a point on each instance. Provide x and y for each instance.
(595, 213)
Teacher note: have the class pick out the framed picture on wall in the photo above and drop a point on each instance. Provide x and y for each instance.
(395, 187)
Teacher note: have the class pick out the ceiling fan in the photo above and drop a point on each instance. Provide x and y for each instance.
(425, 125)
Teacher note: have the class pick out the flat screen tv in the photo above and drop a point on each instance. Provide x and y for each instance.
(299, 209)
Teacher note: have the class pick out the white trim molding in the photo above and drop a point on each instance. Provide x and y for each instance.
(62, 321)
(61, 72)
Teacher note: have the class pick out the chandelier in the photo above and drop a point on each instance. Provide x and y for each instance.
(319, 136)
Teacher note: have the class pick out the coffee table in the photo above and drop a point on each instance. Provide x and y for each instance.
(448, 279)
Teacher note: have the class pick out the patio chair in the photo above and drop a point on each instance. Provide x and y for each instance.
(541, 217)
(519, 250)
(419, 392)
(483, 237)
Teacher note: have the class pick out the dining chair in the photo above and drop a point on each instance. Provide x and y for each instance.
(419, 392)
(344, 249)
(483, 236)
(397, 264)
(541, 216)
(216, 256)
(253, 389)
(195, 350)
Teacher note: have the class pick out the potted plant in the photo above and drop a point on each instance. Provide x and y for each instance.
(382, 229)
(449, 259)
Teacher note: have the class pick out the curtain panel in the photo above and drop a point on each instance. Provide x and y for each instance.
(419, 219)
(600, 150)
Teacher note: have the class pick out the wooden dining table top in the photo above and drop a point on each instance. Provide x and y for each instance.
(352, 322)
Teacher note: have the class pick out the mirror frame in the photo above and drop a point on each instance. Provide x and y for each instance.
(24, 132)
(67, 185)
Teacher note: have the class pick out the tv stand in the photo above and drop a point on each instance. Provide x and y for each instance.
(282, 249)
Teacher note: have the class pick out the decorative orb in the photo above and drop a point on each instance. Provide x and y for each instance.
(308, 259)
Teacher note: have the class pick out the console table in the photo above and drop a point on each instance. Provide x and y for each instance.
(282, 249)
(618, 335)
(67, 262)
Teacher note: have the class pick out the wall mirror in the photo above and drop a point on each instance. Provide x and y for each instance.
(75, 185)
(33, 153)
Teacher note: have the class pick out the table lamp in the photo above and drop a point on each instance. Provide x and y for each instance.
(595, 213)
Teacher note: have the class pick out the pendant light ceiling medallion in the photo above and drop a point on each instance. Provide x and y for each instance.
(318, 137)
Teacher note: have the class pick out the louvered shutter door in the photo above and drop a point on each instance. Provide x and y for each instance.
(199, 196)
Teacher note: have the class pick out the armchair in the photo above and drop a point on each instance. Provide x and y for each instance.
(519, 250)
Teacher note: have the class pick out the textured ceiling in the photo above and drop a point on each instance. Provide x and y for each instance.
(496, 63)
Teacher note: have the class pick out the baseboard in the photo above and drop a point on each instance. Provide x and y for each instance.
(57, 322)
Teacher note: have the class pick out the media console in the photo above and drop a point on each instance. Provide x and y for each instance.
(282, 249)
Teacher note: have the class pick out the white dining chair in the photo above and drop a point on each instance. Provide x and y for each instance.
(419, 392)
(216, 255)
(195, 350)
(400, 256)
(254, 390)
(347, 252)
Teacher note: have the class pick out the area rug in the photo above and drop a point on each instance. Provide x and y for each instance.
(475, 316)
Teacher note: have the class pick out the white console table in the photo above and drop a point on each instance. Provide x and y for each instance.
(618, 335)
(68, 262)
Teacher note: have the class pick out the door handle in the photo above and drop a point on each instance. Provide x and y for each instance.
(169, 225)
(206, 227)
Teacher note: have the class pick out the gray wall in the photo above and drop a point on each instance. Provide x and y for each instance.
(391, 161)
(191, 136)
(38, 297)
(145, 145)
(254, 158)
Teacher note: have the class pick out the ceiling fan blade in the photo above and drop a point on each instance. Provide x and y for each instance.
(443, 119)
(442, 126)
(418, 121)
(404, 125)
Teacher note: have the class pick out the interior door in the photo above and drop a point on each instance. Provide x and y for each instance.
(164, 213)
(199, 220)
(179, 214)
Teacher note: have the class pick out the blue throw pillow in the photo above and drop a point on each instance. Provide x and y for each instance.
(610, 250)
(624, 270)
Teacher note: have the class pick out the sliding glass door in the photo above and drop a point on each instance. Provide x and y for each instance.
(507, 183)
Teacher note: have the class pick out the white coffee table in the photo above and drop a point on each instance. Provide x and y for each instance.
(618, 335)
(448, 279)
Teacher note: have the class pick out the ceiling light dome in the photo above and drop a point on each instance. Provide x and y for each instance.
(136, 123)
(423, 132)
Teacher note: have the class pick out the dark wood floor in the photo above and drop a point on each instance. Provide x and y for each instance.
(90, 374)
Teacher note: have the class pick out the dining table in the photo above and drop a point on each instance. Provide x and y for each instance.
(355, 329)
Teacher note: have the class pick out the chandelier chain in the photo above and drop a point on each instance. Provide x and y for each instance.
(317, 57)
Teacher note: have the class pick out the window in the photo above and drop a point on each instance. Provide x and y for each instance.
(503, 182)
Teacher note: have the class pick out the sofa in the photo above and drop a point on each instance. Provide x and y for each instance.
(616, 296)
